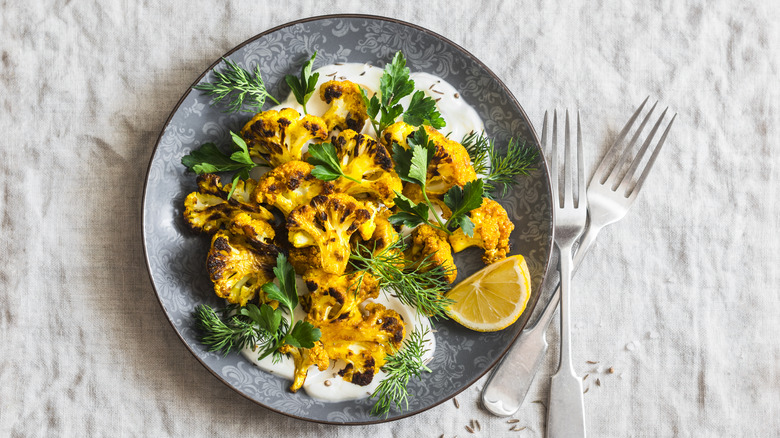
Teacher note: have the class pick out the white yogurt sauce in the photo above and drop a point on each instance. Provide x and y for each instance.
(460, 119)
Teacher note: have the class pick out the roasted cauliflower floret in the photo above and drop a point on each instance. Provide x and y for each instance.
(327, 222)
(209, 209)
(237, 268)
(305, 259)
(279, 136)
(289, 186)
(331, 296)
(347, 110)
(362, 340)
(450, 165)
(367, 161)
(492, 228)
(431, 246)
(304, 358)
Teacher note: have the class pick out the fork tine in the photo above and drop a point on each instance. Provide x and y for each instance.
(601, 171)
(554, 153)
(568, 179)
(612, 180)
(580, 165)
(651, 161)
(626, 180)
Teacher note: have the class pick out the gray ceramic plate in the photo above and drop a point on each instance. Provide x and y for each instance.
(176, 259)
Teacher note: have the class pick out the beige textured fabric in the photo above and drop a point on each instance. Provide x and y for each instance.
(681, 297)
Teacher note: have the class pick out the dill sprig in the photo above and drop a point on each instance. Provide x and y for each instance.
(400, 367)
(227, 333)
(496, 168)
(239, 86)
(421, 285)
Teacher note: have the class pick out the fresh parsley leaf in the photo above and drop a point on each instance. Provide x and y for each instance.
(395, 83)
(422, 111)
(411, 214)
(303, 335)
(303, 88)
(326, 163)
(461, 201)
(209, 159)
(287, 292)
(265, 316)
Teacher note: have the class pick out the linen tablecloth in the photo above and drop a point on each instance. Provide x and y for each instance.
(680, 299)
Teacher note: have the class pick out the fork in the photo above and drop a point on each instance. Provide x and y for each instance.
(510, 380)
(566, 410)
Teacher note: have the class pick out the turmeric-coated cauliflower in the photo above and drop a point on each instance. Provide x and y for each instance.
(209, 209)
(331, 296)
(289, 186)
(430, 245)
(303, 358)
(450, 165)
(347, 109)
(362, 340)
(363, 159)
(492, 228)
(327, 222)
(237, 268)
(279, 136)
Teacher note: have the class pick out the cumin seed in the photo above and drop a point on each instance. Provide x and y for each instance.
(611, 370)
(470, 429)
(456, 96)
(437, 91)
(513, 421)
(586, 390)
(586, 376)
(598, 382)
(592, 362)
(479, 426)
(455, 401)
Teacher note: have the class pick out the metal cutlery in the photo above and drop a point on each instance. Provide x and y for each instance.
(611, 193)
(566, 409)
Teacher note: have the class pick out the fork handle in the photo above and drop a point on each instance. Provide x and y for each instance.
(510, 380)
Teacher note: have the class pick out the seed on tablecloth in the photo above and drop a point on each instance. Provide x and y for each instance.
(598, 382)
(455, 401)
(512, 421)
(611, 370)
(469, 429)
(592, 362)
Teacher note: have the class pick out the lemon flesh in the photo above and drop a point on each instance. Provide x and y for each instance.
(493, 298)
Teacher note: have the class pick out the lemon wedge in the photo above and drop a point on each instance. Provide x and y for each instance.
(493, 298)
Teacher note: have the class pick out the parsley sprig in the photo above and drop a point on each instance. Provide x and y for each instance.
(384, 108)
(303, 88)
(239, 87)
(496, 168)
(326, 162)
(420, 285)
(400, 368)
(411, 165)
(209, 159)
(261, 326)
